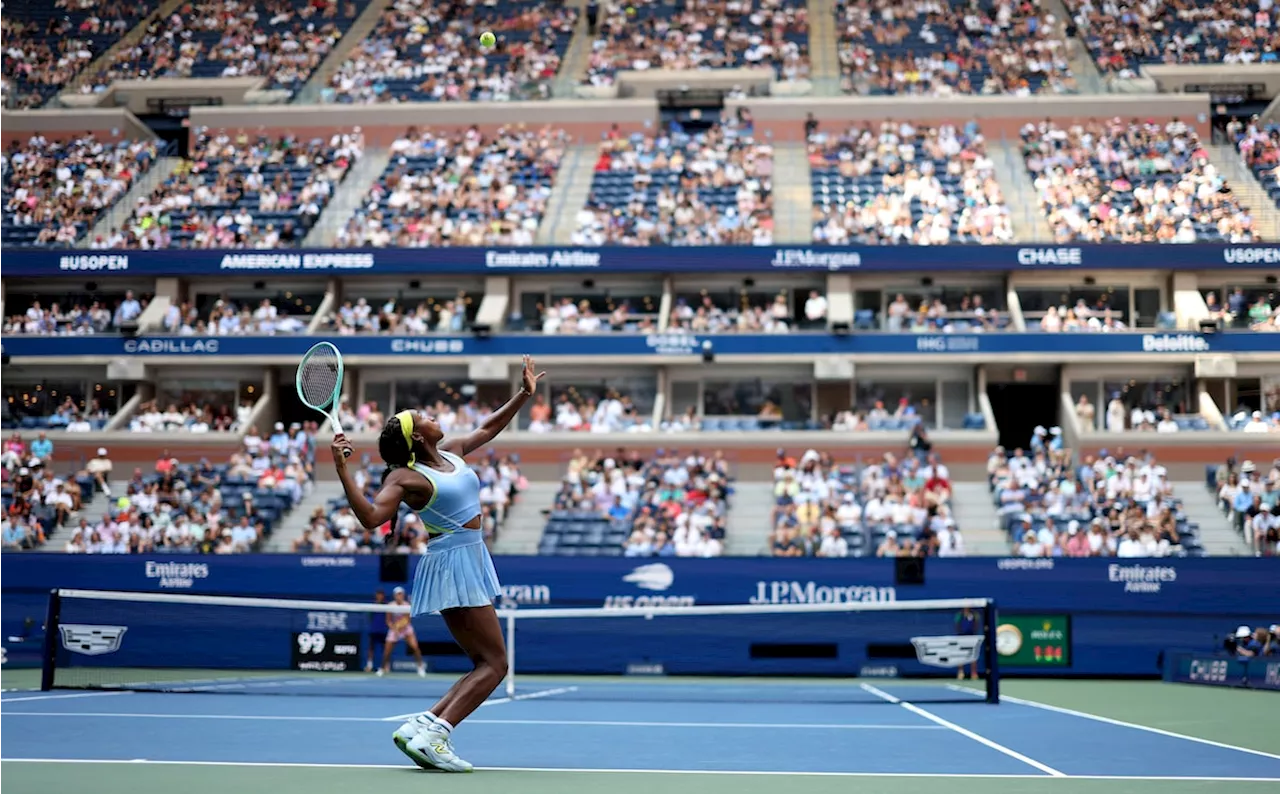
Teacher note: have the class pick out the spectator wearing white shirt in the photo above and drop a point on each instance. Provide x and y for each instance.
(833, 544)
(815, 308)
(950, 541)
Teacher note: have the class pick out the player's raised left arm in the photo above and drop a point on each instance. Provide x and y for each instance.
(499, 419)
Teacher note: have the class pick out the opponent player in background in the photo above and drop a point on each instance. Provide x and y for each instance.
(400, 627)
(455, 577)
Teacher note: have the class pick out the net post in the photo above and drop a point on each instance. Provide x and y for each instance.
(49, 652)
(989, 619)
(511, 653)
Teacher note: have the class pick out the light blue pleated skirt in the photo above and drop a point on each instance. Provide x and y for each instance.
(456, 571)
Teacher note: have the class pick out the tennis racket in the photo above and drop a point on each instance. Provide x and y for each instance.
(319, 382)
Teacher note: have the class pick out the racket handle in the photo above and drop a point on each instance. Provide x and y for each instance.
(346, 453)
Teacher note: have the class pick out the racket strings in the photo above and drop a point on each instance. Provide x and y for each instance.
(318, 378)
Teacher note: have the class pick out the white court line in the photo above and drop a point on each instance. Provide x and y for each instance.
(544, 693)
(596, 723)
(1122, 724)
(63, 697)
(979, 738)
(585, 770)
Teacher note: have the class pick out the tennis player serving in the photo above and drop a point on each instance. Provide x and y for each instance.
(455, 578)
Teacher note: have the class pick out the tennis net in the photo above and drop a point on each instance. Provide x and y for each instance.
(766, 652)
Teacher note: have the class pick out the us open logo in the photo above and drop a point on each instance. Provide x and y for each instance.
(91, 640)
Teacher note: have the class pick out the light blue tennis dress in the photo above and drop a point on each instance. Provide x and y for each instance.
(457, 570)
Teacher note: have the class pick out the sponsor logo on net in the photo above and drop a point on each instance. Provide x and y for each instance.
(657, 578)
(91, 640)
(1142, 578)
(176, 575)
(793, 591)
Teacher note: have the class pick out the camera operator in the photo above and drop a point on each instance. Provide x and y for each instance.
(1251, 644)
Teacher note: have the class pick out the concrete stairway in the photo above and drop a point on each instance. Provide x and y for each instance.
(748, 524)
(573, 66)
(976, 516)
(824, 59)
(568, 195)
(1029, 223)
(351, 193)
(298, 519)
(1266, 217)
(1088, 79)
(361, 28)
(166, 9)
(119, 213)
(792, 195)
(1216, 533)
(522, 530)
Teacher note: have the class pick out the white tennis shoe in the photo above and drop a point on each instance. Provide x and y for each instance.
(433, 748)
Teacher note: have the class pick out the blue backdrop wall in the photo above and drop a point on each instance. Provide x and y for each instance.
(1122, 613)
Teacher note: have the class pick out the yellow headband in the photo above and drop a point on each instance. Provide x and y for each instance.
(406, 428)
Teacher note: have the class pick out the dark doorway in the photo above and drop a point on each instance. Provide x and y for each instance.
(1019, 407)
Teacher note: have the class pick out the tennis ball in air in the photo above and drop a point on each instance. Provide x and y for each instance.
(487, 39)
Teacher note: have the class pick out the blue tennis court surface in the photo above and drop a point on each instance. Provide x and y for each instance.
(627, 727)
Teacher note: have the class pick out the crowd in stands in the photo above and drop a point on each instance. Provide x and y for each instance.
(93, 317)
(889, 508)
(709, 316)
(426, 51)
(896, 183)
(1133, 182)
(235, 191)
(933, 315)
(55, 190)
(1106, 506)
(36, 499)
(710, 187)
(1250, 498)
(1259, 145)
(572, 411)
(460, 188)
(34, 411)
(707, 34)
(1080, 318)
(951, 48)
(1133, 411)
(201, 508)
(610, 504)
(47, 43)
(227, 317)
(192, 418)
(1257, 312)
(393, 317)
(1124, 34)
(587, 316)
(282, 41)
(334, 528)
